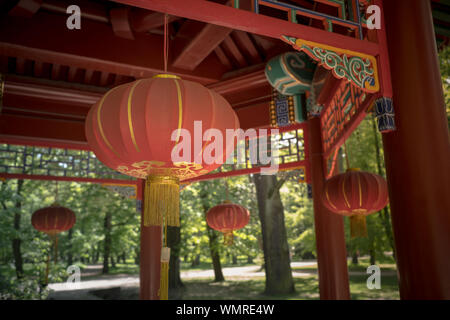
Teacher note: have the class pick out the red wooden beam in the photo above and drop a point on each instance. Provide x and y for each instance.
(16, 126)
(210, 12)
(200, 46)
(223, 57)
(70, 179)
(25, 8)
(144, 20)
(94, 47)
(233, 51)
(244, 42)
(240, 83)
(120, 20)
(89, 10)
(218, 175)
(43, 143)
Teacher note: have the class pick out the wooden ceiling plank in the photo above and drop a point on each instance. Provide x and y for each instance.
(200, 47)
(245, 43)
(230, 46)
(144, 20)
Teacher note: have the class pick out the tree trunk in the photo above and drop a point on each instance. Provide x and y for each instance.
(69, 251)
(215, 255)
(173, 242)
(107, 242)
(372, 256)
(355, 257)
(275, 246)
(137, 256)
(196, 261)
(249, 259)
(124, 258)
(234, 259)
(213, 241)
(16, 241)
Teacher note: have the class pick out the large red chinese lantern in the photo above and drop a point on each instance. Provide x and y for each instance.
(356, 194)
(53, 220)
(227, 217)
(134, 128)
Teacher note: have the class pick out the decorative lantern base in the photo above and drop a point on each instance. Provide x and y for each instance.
(228, 238)
(162, 201)
(358, 226)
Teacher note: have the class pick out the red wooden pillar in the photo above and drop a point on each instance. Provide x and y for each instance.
(150, 256)
(417, 154)
(329, 227)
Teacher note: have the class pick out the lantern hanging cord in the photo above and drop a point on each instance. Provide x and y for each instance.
(56, 191)
(227, 192)
(347, 161)
(166, 41)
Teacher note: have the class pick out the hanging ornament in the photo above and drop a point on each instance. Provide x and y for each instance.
(131, 130)
(52, 221)
(356, 194)
(227, 217)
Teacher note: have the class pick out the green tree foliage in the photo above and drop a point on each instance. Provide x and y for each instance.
(194, 233)
(444, 59)
(90, 203)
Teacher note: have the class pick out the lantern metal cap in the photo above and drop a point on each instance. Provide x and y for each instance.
(166, 76)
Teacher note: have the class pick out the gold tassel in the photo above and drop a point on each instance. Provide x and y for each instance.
(162, 201)
(164, 276)
(358, 227)
(228, 238)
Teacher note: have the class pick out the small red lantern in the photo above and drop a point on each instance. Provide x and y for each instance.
(53, 220)
(356, 194)
(227, 217)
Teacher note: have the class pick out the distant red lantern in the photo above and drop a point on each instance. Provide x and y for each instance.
(134, 128)
(356, 194)
(53, 220)
(227, 217)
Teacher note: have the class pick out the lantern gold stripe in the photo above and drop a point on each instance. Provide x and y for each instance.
(100, 127)
(130, 122)
(180, 111)
(328, 197)
(360, 191)
(344, 194)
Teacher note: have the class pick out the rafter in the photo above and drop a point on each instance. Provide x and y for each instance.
(200, 45)
(94, 47)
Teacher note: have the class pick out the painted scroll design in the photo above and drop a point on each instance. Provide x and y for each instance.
(357, 68)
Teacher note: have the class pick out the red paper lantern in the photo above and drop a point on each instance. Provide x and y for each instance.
(227, 217)
(53, 220)
(131, 127)
(356, 194)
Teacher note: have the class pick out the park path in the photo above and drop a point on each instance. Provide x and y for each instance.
(89, 288)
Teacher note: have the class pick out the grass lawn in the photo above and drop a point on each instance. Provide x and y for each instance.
(306, 287)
